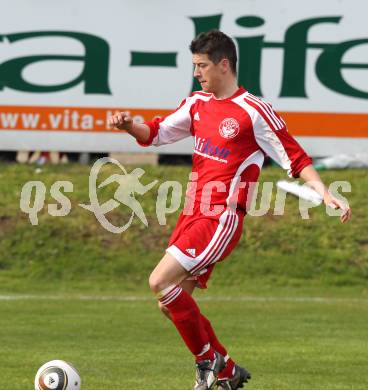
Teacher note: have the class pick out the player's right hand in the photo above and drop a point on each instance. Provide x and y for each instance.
(121, 121)
(335, 203)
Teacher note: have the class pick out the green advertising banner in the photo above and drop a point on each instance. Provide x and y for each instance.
(66, 66)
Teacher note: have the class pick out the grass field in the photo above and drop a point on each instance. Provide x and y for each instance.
(291, 303)
(287, 344)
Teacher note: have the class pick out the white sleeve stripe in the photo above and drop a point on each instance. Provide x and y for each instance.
(263, 112)
(283, 122)
(273, 118)
(267, 111)
(265, 137)
(268, 108)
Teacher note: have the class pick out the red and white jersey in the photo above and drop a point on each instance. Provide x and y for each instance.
(231, 137)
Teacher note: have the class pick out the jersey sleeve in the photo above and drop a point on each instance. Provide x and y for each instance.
(271, 135)
(172, 127)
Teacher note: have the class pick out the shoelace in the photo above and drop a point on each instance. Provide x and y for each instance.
(202, 367)
(223, 383)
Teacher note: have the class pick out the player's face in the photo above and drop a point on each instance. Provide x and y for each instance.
(209, 75)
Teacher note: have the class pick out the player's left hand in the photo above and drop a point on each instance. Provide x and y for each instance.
(335, 203)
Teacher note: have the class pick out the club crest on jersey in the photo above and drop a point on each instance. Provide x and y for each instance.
(229, 128)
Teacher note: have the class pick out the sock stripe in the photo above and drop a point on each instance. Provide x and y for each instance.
(166, 291)
(164, 294)
(171, 296)
(205, 349)
(177, 293)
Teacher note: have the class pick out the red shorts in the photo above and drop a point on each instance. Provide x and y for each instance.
(198, 242)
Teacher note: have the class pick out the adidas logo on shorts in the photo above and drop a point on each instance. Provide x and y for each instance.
(191, 251)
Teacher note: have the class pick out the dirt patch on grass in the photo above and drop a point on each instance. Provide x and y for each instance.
(6, 223)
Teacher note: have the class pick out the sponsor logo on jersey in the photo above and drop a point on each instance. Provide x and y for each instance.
(204, 147)
(229, 128)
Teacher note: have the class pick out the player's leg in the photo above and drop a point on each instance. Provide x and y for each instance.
(187, 285)
(197, 248)
(231, 374)
(165, 282)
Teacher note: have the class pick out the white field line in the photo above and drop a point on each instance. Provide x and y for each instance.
(112, 298)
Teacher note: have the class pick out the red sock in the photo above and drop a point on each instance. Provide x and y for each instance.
(186, 316)
(227, 372)
(214, 341)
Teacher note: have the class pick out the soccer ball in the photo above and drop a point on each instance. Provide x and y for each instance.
(57, 375)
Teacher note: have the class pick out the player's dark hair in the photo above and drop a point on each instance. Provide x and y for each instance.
(217, 46)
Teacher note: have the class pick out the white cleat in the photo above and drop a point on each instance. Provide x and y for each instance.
(207, 372)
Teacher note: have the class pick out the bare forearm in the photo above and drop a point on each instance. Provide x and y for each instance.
(140, 132)
(123, 121)
(312, 178)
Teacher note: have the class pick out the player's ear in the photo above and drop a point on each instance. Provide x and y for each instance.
(225, 65)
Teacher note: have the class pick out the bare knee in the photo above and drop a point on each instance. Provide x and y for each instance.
(168, 272)
(156, 282)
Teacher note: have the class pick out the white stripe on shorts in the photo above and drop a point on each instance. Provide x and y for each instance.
(228, 223)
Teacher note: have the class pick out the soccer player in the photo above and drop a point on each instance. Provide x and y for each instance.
(233, 130)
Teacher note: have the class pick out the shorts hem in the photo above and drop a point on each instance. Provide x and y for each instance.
(187, 262)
